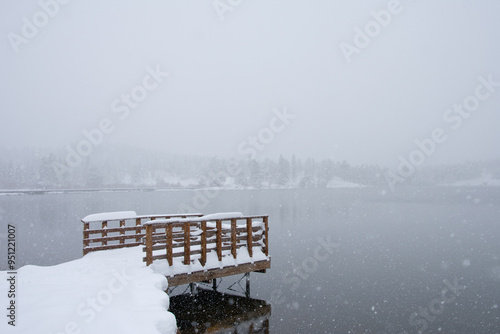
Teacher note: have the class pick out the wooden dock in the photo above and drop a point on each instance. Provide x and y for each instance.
(187, 247)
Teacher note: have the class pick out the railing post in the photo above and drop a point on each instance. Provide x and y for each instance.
(203, 259)
(138, 230)
(187, 243)
(86, 236)
(149, 244)
(169, 244)
(266, 235)
(122, 224)
(249, 237)
(233, 237)
(219, 239)
(266, 326)
(104, 233)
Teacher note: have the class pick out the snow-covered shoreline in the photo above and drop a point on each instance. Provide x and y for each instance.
(335, 183)
(14, 192)
(485, 180)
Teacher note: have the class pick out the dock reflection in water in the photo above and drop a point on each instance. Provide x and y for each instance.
(209, 311)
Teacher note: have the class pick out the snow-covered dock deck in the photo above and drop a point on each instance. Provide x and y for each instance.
(104, 292)
(186, 248)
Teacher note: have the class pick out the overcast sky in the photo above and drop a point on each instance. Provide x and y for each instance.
(348, 96)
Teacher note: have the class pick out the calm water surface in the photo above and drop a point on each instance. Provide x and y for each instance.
(418, 259)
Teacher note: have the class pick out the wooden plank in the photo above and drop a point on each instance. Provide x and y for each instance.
(180, 242)
(255, 232)
(149, 244)
(210, 247)
(243, 244)
(244, 229)
(266, 235)
(233, 238)
(187, 243)
(104, 233)
(162, 237)
(219, 239)
(217, 273)
(122, 232)
(179, 254)
(156, 247)
(155, 257)
(113, 238)
(85, 236)
(100, 248)
(138, 229)
(117, 229)
(169, 245)
(198, 251)
(203, 259)
(249, 237)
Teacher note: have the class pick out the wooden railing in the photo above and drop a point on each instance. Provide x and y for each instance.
(119, 233)
(194, 238)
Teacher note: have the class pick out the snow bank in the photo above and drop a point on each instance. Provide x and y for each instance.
(338, 182)
(110, 216)
(104, 292)
(483, 180)
(180, 181)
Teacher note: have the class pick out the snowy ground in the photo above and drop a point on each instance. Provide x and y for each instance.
(338, 182)
(103, 292)
(483, 180)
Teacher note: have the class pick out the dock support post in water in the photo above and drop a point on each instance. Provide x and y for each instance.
(247, 291)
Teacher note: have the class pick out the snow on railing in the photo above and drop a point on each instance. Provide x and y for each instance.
(195, 236)
(118, 229)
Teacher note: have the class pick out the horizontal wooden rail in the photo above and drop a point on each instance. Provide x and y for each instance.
(199, 219)
(159, 245)
(121, 232)
(192, 238)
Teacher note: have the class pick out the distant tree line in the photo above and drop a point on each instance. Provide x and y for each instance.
(125, 167)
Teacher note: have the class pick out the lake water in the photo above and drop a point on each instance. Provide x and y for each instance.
(417, 259)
